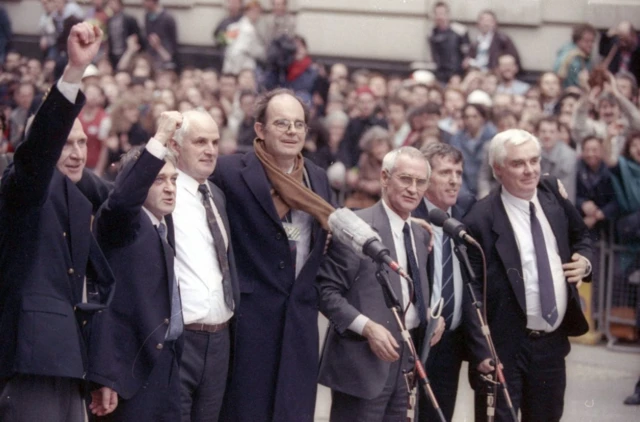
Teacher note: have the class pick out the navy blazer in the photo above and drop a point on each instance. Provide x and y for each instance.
(276, 345)
(46, 250)
(488, 223)
(128, 337)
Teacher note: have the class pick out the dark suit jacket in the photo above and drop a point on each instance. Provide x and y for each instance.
(276, 344)
(348, 287)
(46, 250)
(488, 223)
(126, 337)
(130, 28)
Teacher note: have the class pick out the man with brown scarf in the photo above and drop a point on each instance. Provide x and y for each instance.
(277, 204)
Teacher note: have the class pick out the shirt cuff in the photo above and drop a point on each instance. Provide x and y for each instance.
(589, 267)
(156, 149)
(357, 326)
(69, 90)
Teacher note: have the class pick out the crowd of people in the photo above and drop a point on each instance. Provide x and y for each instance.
(394, 146)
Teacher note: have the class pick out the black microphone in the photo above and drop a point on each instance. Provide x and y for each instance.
(351, 230)
(451, 226)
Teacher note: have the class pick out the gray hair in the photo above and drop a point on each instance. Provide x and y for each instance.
(373, 135)
(187, 117)
(498, 146)
(338, 116)
(389, 160)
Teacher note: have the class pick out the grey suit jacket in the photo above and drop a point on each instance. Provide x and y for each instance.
(348, 287)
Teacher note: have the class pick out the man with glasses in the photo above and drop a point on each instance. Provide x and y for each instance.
(277, 203)
(365, 362)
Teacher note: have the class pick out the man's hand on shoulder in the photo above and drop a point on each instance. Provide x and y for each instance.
(381, 341)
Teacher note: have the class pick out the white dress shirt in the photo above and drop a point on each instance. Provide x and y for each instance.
(519, 217)
(436, 289)
(197, 267)
(411, 319)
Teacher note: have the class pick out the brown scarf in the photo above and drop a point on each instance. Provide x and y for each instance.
(288, 190)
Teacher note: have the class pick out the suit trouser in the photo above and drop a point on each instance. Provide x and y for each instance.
(158, 399)
(203, 374)
(390, 406)
(29, 398)
(443, 369)
(536, 378)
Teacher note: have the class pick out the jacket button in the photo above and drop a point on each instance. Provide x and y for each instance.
(64, 234)
(159, 346)
(71, 271)
(281, 265)
(84, 322)
(166, 321)
(278, 236)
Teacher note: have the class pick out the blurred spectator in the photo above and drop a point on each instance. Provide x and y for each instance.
(162, 35)
(339, 78)
(620, 49)
(244, 48)
(23, 97)
(550, 90)
(365, 119)
(575, 57)
(507, 70)
(335, 123)
(490, 44)
(557, 158)
(419, 95)
(277, 23)
(364, 181)
(228, 143)
(595, 197)
(423, 122)
(234, 13)
(626, 183)
(4, 142)
(299, 76)
(246, 132)
(501, 103)
(397, 118)
(628, 86)
(454, 101)
(617, 116)
(123, 30)
(476, 130)
(565, 107)
(5, 33)
(47, 31)
(230, 100)
(449, 43)
(96, 125)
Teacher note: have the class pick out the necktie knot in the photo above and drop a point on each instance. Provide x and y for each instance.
(532, 209)
(162, 230)
(203, 190)
(406, 230)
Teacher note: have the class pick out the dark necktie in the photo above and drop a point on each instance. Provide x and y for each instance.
(176, 324)
(545, 279)
(414, 273)
(448, 294)
(218, 243)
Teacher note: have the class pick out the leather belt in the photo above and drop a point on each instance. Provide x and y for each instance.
(206, 328)
(539, 333)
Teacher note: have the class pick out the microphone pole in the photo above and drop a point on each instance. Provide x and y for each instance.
(392, 302)
(468, 275)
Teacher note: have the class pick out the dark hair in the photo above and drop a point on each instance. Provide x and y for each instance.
(395, 100)
(441, 4)
(490, 13)
(442, 150)
(301, 39)
(581, 29)
(547, 119)
(592, 138)
(262, 103)
(626, 150)
(624, 74)
(484, 113)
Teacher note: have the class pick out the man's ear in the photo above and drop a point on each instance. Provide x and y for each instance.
(259, 128)
(174, 147)
(384, 179)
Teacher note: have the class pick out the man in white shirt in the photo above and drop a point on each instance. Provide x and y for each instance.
(537, 251)
(365, 360)
(205, 269)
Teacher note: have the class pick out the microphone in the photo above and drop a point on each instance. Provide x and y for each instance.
(351, 230)
(451, 226)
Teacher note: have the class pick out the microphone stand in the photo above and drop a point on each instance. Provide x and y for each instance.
(392, 302)
(468, 275)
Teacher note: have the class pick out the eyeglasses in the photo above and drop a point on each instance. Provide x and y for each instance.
(283, 125)
(407, 181)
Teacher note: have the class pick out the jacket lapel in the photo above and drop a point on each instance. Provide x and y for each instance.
(507, 248)
(380, 223)
(256, 179)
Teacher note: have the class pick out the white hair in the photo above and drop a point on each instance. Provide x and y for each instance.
(389, 160)
(187, 118)
(498, 146)
(338, 117)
